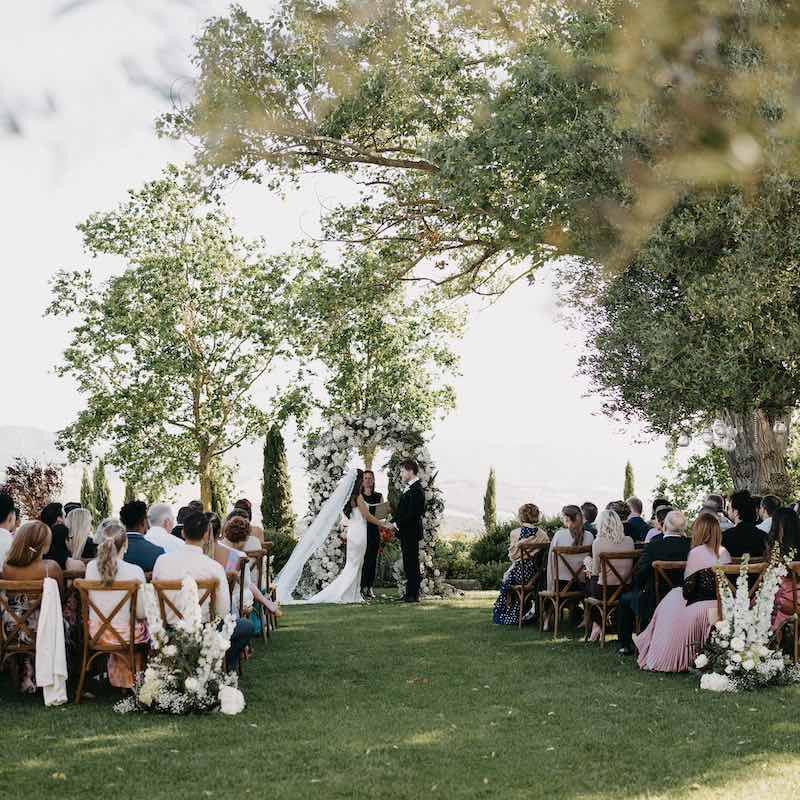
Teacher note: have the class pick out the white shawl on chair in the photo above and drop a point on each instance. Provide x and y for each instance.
(51, 654)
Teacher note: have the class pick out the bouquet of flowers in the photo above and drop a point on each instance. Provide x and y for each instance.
(186, 669)
(741, 652)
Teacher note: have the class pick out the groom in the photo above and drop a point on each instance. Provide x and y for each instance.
(408, 519)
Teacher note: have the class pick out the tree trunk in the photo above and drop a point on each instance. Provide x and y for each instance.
(759, 461)
(204, 474)
(368, 456)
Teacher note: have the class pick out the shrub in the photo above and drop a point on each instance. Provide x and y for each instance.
(490, 575)
(493, 546)
(282, 546)
(551, 524)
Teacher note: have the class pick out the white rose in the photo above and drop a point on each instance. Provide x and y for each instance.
(191, 685)
(170, 650)
(763, 651)
(231, 700)
(736, 658)
(320, 452)
(723, 643)
(701, 661)
(737, 644)
(748, 665)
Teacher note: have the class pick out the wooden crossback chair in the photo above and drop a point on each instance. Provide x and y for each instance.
(560, 598)
(207, 593)
(793, 609)
(666, 576)
(611, 569)
(107, 639)
(261, 560)
(20, 637)
(755, 576)
(535, 552)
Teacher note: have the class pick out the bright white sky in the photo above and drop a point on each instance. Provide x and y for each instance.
(83, 79)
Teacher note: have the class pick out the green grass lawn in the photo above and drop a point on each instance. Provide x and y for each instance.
(395, 701)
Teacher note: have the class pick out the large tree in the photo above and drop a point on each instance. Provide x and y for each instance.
(477, 132)
(378, 351)
(173, 353)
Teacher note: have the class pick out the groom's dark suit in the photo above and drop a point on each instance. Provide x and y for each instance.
(408, 518)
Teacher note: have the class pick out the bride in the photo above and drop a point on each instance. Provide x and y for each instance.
(346, 588)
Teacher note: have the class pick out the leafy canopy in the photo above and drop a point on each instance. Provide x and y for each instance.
(173, 353)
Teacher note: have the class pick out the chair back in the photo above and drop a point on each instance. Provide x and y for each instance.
(666, 576)
(207, 593)
(236, 581)
(731, 572)
(561, 562)
(535, 552)
(612, 569)
(107, 638)
(17, 629)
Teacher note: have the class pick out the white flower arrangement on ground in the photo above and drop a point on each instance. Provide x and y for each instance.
(741, 653)
(327, 454)
(186, 669)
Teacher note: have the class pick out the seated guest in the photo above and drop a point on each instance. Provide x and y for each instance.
(785, 537)
(69, 507)
(110, 567)
(258, 533)
(162, 521)
(571, 535)
(253, 542)
(769, 505)
(26, 561)
(81, 543)
(659, 502)
(52, 514)
(506, 608)
(672, 545)
(716, 501)
(193, 561)
(658, 523)
(589, 511)
(610, 538)
(8, 521)
(744, 537)
(59, 549)
(183, 512)
(144, 554)
(635, 526)
(235, 536)
(682, 617)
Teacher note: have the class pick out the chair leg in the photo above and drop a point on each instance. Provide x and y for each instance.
(603, 620)
(558, 608)
(84, 668)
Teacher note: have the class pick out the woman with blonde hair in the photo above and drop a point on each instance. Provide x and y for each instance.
(26, 562)
(80, 542)
(109, 568)
(506, 608)
(682, 617)
(610, 538)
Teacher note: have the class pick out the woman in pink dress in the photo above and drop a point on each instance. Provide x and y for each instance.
(680, 622)
(784, 535)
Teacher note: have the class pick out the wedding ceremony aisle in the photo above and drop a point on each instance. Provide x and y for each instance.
(391, 701)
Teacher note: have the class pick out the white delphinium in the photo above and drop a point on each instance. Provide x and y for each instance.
(189, 606)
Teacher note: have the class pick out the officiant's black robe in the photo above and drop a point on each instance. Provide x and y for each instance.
(373, 543)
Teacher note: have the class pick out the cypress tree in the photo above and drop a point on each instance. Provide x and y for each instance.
(276, 488)
(490, 503)
(87, 495)
(101, 491)
(628, 490)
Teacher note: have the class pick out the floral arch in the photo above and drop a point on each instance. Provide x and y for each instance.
(327, 454)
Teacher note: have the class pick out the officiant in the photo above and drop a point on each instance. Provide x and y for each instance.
(371, 498)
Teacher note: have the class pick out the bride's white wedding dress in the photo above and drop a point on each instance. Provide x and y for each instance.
(346, 587)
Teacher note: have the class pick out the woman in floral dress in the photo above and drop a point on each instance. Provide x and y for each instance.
(506, 609)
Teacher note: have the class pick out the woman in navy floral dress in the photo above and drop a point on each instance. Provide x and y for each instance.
(506, 609)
